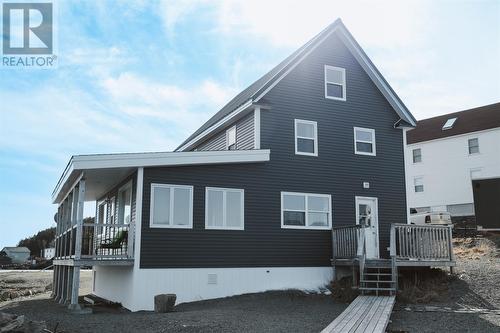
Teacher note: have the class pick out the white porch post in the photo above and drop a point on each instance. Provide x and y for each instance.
(75, 280)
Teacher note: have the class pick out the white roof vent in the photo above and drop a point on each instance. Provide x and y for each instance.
(449, 124)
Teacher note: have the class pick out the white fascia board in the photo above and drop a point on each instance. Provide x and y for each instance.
(137, 160)
(217, 125)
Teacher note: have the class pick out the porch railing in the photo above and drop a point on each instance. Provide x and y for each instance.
(421, 242)
(106, 241)
(346, 241)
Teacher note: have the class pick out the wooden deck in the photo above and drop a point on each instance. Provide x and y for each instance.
(366, 314)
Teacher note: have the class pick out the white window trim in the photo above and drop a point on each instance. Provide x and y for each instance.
(413, 156)
(296, 137)
(374, 145)
(414, 186)
(171, 210)
(343, 98)
(235, 137)
(330, 213)
(224, 211)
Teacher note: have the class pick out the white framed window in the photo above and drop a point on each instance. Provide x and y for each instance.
(171, 206)
(418, 184)
(473, 146)
(417, 155)
(125, 203)
(306, 137)
(224, 208)
(475, 173)
(335, 83)
(306, 211)
(449, 124)
(231, 138)
(364, 141)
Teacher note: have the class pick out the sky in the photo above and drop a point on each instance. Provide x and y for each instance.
(142, 75)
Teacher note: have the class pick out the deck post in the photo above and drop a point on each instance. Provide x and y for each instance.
(75, 279)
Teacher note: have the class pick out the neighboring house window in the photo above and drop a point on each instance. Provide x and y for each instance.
(125, 203)
(171, 206)
(418, 183)
(335, 87)
(306, 137)
(224, 208)
(231, 138)
(475, 173)
(417, 155)
(306, 211)
(473, 146)
(364, 141)
(449, 124)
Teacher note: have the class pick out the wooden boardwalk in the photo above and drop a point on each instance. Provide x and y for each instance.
(366, 314)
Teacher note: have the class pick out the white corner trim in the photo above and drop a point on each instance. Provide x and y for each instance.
(171, 206)
(224, 211)
(373, 143)
(256, 127)
(215, 126)
(138, 217)
(407, 183)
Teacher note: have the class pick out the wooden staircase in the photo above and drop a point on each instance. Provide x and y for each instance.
(377, 277)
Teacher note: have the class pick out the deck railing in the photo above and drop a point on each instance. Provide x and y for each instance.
(106, 241)
(346, 241)
(421, 242)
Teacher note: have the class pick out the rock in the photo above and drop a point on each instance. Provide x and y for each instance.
(14, 294)
(165, 302)
(5, 295)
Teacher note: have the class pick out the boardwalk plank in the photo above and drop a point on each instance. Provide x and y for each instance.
(366, 314)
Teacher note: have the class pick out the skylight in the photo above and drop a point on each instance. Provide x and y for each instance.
(449, 123)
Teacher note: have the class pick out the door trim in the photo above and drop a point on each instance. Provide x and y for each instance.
(375, 200)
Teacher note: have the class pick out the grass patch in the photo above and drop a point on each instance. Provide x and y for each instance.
(342, 290)
(423, 285)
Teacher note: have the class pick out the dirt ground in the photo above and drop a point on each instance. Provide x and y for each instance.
(469, 302)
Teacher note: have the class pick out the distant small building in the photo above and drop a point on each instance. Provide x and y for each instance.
(48, 253)
(19, 255)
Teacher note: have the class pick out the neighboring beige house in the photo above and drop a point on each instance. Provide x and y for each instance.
(19, 255)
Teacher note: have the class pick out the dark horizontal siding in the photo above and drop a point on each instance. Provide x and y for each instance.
(244, 136)
(336, 171)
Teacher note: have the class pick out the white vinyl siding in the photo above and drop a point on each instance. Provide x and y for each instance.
(224, 208)
(364, 141)
(306, 137)
(171, 206)
(335, 83)
(306, 211)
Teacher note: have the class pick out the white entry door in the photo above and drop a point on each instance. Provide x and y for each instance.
(367, 215)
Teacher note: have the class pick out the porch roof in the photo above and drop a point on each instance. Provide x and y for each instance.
(103, 171)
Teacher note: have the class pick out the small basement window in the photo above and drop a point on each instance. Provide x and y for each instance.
(418, 183)
(335, 85)
(171, 206)
(231, 138)
(364, 141)
(473, 146)
(417, 155)
(306, 137)
(306, 211)
(224, 208)
(449, 124)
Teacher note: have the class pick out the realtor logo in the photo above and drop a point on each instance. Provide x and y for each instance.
(28, 29)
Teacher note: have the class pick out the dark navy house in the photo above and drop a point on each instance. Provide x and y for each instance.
(248, 202)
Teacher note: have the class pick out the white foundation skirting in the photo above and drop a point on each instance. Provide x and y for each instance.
(136, 288)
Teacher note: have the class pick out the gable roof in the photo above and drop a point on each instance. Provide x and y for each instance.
(254, 92)
(467, 121)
